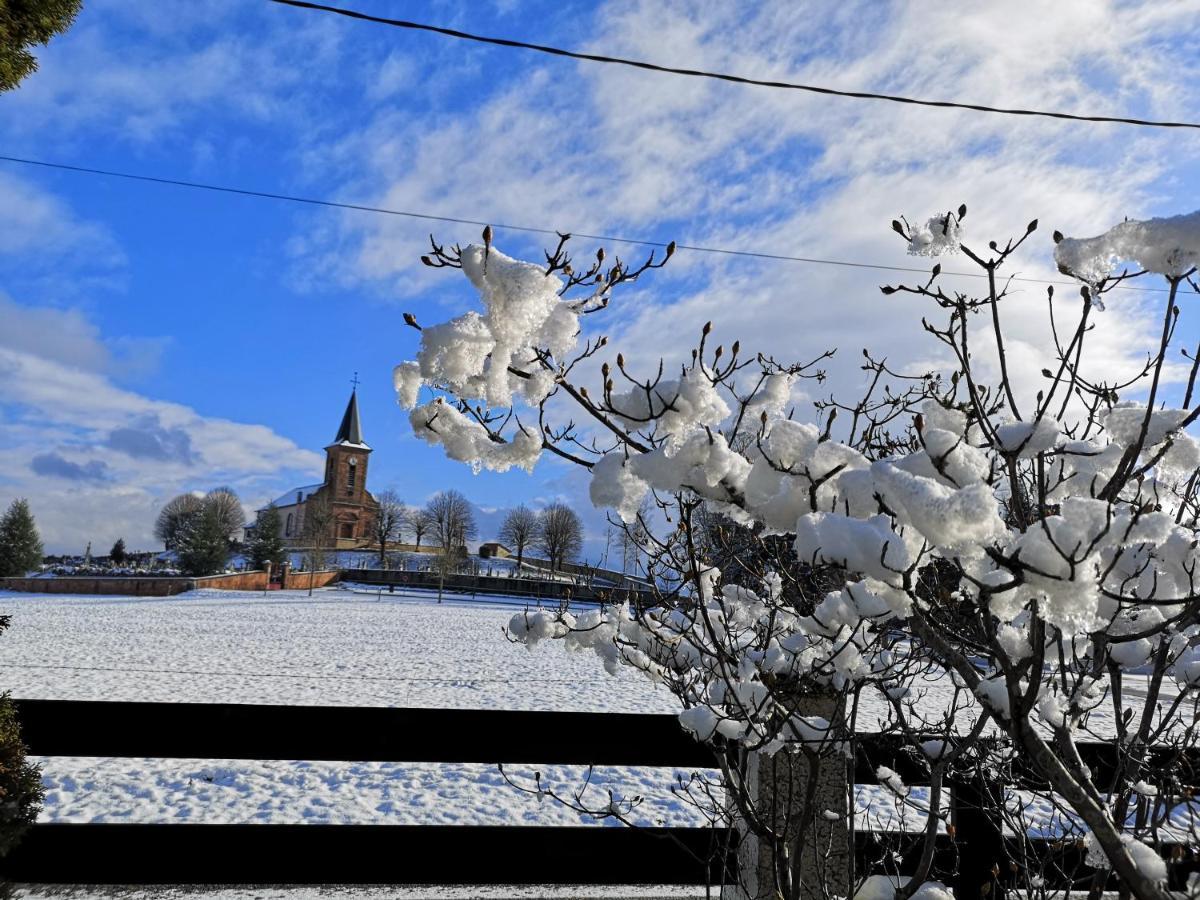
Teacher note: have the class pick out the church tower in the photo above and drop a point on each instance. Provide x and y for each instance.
(345, 487)
(346, 459)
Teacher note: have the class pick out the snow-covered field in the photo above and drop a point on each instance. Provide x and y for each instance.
(336, 648)
(339, 647)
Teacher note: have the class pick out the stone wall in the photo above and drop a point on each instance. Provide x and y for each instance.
(237, 581)
(151, 586)
(124, 586)
(297, 581)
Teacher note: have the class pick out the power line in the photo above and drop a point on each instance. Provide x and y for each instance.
(526, 229)
(724, 76)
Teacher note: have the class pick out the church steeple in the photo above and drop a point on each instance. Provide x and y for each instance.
(350, 431)
(346, 458)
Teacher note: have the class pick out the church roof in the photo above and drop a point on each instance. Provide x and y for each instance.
(350, 431)
(304, 493)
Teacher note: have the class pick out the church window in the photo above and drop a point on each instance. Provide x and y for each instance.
(287, 531)
(351, 474)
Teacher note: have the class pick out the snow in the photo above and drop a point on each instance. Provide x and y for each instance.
(678, 408)
(1123, 423)
(615, 485)
(366, 892)
(465, 440)
(883, 887)
(83, 789)
(1169, 246)
(296, 495)
(1027, 439)
(471, 355)
(936, 236)
(870, 547)
(337, 648)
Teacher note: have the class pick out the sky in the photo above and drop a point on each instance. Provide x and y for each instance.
(155, 339)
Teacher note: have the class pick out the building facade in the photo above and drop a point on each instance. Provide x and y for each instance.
(341, 503)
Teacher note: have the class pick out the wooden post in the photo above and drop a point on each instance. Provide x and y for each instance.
(778, 787)
(982, 861)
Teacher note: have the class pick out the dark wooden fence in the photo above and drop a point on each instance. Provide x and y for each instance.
(533, 589)
(976, 853)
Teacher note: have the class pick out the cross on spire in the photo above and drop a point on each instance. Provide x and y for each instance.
(354, 381)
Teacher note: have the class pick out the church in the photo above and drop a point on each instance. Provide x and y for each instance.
(344, 489)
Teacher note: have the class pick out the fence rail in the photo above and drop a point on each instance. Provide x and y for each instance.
(501, 585)
(385, 854)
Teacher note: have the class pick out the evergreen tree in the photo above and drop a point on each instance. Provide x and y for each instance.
(266, 547)
(24, 23)
(117, 554)
(204, 543)
(20, 781)
(20, 545)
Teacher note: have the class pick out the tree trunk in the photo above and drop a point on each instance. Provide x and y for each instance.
(812, 856)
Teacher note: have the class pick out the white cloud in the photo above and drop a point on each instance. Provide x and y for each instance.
(610, 149)
(96, 460)
(137, 74)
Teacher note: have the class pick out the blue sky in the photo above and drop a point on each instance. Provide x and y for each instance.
(155, 339)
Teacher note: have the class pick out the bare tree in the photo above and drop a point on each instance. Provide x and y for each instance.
(317, 532)
(389, 519)
(417, 520)
(453, 523)
(518, 530)
(559, 534)
(169, 527)
(633, 537)
(453, 520)
(227, 509)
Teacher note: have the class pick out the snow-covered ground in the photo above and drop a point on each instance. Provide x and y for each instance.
(339, 647)
(364, 892)
(336, 648)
